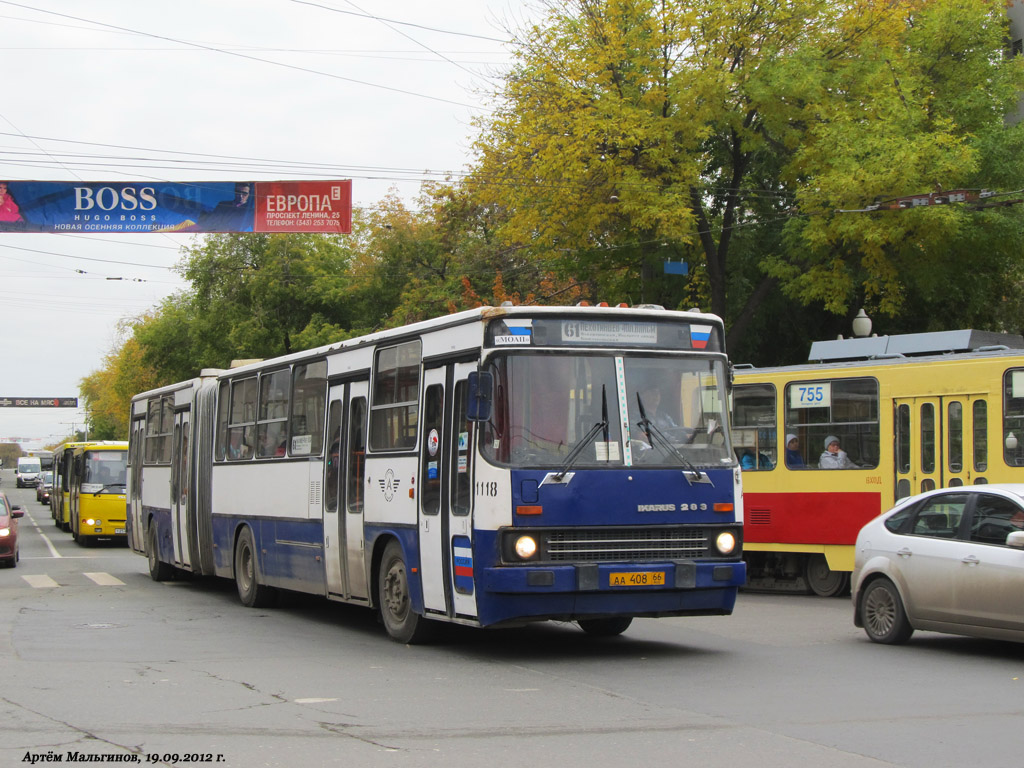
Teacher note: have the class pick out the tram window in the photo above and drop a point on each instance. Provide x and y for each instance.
(903, 442)
(309, 390)
(461, 487)
(394, 410)
(955, 430)
(1013, 417)
(753, 427)
(927, 437)
(846, 409)
(272, 425)
(980, 436)
(159, 425)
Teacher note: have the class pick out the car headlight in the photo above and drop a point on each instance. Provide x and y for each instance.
(5, 532)
(725, 542)
(526, 547)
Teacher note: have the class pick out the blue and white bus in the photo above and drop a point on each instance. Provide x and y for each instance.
(493, 467)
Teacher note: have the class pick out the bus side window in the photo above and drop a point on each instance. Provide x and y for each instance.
(753, 426)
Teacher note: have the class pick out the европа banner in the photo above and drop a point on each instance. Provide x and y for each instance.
(215, 206)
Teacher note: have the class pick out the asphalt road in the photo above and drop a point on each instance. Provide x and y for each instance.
(97, 660)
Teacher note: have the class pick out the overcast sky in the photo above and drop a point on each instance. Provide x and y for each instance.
(200, 90)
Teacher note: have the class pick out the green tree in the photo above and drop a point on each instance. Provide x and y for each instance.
(729, 133)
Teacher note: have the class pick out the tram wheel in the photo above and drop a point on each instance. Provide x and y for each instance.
(158, 570)
(402, 623)
(882, 613)
(605, 627)
(822, 580)
(250, 591)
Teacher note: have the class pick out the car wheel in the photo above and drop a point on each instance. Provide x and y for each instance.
(881, 611)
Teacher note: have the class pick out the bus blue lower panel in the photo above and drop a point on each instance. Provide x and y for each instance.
(289, 552)
(508, 593)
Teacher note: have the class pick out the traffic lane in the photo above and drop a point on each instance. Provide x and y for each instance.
(317, 683)
(182, 666)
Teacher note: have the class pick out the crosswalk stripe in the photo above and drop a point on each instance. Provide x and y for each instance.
(40, 581)
(105, 579)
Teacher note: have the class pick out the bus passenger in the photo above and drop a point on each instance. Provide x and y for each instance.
(834, 457)
(794, 459)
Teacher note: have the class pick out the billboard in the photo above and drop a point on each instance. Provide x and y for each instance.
(214, 206)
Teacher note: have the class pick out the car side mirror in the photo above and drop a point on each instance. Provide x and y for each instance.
(17, 512)
(1015, 539)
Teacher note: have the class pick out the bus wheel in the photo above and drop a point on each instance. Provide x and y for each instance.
(605, 627)
(251, 592)
(883, 615)
(822, 580)
(402, 623)
(158, 570)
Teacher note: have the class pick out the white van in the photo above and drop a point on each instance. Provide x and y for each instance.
(27, 472)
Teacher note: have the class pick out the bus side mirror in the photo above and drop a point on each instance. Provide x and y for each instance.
(481, 385)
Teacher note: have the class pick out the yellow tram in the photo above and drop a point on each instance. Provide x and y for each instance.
(908, 413)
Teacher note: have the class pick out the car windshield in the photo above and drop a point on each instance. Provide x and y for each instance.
(593, 410)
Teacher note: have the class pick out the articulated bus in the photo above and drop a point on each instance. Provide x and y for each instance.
(490, 468)
(97, 499)
(61, 493)
(911, 413)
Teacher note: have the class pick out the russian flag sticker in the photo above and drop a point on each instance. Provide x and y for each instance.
(700, 335)
(462, 562)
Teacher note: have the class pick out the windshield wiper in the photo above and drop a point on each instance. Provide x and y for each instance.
(110, 485)
(662, 440)
(583, 442)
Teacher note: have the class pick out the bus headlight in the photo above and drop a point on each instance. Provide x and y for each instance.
(90, 521)
(725, 542)
(526, 547)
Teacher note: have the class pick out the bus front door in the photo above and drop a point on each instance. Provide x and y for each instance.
(445, 492)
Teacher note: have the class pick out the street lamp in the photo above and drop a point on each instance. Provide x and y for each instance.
(861, 324)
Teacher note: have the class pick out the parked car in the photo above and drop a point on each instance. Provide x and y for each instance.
(9, 515)
(950, 560)
(43, 486)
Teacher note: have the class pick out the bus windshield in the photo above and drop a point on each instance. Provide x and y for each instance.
(105, 472)
(603, 411)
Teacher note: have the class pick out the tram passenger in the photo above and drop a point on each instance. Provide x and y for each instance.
(834, 457)
(794, 459)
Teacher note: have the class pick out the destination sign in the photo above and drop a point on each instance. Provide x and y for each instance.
(38, 402)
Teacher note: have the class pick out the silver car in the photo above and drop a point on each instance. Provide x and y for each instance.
(950, 560)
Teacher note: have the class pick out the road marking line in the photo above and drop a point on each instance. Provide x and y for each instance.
(105, 579)
(40, 581)
(49, 545)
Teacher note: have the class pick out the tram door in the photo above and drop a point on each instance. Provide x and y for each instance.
(934, 443)
(445, 493)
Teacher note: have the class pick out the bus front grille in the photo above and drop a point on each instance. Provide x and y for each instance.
(635, 544)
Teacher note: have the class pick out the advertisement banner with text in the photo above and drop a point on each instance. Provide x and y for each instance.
(215, 206)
